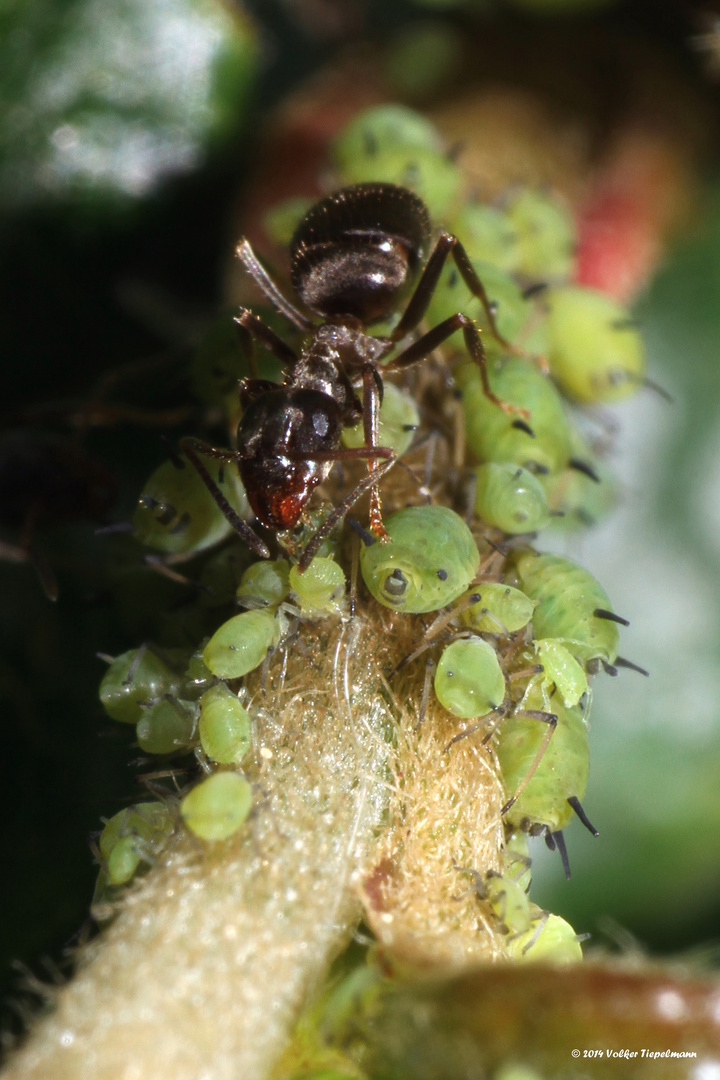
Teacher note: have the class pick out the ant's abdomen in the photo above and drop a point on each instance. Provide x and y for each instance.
(356, 251)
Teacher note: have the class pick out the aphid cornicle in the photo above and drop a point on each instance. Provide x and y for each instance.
(353, 259)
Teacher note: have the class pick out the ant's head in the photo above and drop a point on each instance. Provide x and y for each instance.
(355, 252)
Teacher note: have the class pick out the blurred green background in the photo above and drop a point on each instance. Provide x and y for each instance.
(126, 134)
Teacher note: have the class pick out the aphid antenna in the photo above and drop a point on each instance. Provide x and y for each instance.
(105, 657)
(620, 661)
(171, 451)
(526, 673)
(132, 670)
(551, 720)
(541, 921)
(499, 710)
(160, 566)
(557, 840)
(575, 803)
(603, 613)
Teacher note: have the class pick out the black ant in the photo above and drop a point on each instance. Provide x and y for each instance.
(352, 259)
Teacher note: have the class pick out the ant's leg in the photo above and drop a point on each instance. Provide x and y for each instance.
(250, 327)
(372, 396)
(265, 283)
(335, 516)
(447, 244)
(422, 348)
(193, 448)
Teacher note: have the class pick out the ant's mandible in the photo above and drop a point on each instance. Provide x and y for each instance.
(352, 259)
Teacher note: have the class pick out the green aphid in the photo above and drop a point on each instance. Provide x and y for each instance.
(515, 858)
(494, 435)
(426, 171)
(509, 902)
(217, 807)
(132, 680)
(430, 559)
(580, 497)
(469, 681)
(167, 726)
(265, 584)
(568, 601)
(282, 219)
(221, 574)
(219, 364)
(381, 129)
(561, 670)
(560, 773)
(488, 234)
(241, 644)
(398, 422)
(177, 514)
(319, 590)
(548, 939)
(510, 497)
(225, 728)
(512, 310)
(546, 236)
(594, 349)
(501, 609)
(133, 836)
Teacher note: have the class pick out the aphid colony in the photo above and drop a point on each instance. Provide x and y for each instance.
(513, 635)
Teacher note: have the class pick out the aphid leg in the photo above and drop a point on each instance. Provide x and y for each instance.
(500, 711)
(265, 283)
(430, 341)
(193, 448)
(250, 328)
(551, 720)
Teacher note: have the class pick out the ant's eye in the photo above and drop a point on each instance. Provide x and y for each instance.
(568, 599)
(320, 423)
(594, 349)
(217, 807)
(469, 681)
(510, 498)
(430, 559)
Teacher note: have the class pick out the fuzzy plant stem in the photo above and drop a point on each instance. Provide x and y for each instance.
(205, 968)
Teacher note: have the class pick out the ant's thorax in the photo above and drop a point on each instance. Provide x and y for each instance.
(333, 359)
